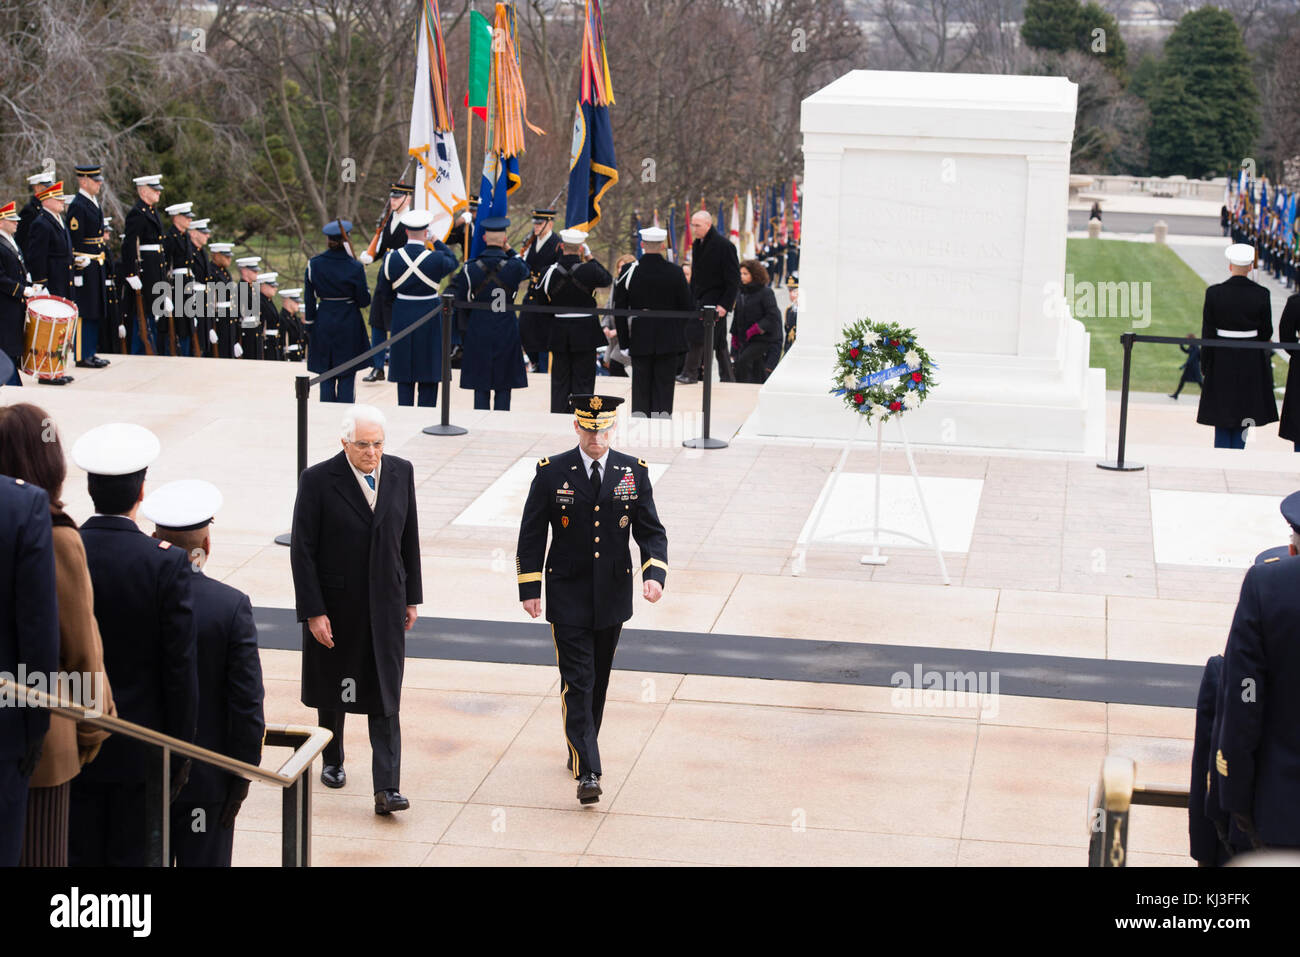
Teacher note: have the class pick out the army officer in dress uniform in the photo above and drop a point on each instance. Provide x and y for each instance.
(539, 254)
(411, 275)
(89, 285)
(493, 356)
(589, 498)
(1238, 388)
(335, 330)
(392, 236)
(144, 608)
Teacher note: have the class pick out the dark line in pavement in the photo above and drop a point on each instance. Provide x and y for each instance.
(789, 659)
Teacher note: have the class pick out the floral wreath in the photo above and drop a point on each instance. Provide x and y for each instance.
(881, 371)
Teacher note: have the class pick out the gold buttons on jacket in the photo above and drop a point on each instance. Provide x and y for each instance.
(598, 524)
(598, 508)
(597, 539)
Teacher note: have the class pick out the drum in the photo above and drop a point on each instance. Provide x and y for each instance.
(47, 335)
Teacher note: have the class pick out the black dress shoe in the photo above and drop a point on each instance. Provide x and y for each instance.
(376, 375)
(386, 802)
(589, 788)
(61, 380)
(99, 362)
(86, 364)
(333, 776)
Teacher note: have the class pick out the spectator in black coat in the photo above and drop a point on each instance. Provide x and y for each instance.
(715, 280)
(756, 326)
(1191, 371)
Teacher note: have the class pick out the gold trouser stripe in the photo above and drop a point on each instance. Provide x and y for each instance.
(527, 577)
(564, 705)
(656, 563)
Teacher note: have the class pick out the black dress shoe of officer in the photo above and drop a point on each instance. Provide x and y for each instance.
(589, 788)
(376, 375)
(86, 364)
(60, 380)
(332, 776)
(386, 802)
(99, 362)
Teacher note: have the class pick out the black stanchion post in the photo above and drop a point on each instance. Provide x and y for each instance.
(445, 427)
(301, 392)
(1119, 465)
(705, 441)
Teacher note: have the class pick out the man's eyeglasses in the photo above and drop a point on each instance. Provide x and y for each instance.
(367, 446)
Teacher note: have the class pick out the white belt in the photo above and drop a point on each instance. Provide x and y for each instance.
(574, 315)
(1236, 333)
(402, 295)
(272, 332)
(249, 323)
(154, 248)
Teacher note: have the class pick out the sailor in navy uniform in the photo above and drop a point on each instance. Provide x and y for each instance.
(411, 275)
(89, 284)
(540, 253)
(335, 329)
(655, 344)
(575, 336)
(230, 718)
(493, 356)
(392, 236)
(1238, 388)
(1257, 756)
(15, 287)
(143, 262)
(144, 608)
(590, 499)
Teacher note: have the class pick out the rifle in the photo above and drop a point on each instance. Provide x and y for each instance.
(386, 215)
(143, 326)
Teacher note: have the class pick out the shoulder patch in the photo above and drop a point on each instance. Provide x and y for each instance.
(162, 543)
(72, 224)
(543, 461)
(641, 462)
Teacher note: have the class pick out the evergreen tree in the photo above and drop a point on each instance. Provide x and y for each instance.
(1051, 24)
(1180, 139)
(1097, 32)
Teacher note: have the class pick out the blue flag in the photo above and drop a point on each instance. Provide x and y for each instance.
(592, 167)
(500, 179)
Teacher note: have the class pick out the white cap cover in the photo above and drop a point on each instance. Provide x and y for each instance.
(119, 448)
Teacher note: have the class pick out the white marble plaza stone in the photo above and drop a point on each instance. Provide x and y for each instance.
(938, 201)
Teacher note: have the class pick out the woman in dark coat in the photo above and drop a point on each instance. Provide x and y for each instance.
(756, 323)
(1288, 330)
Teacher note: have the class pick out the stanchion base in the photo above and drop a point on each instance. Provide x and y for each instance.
(874, 560)
(445, 430)
(1116, 467)
(282, 539)
(703, 443)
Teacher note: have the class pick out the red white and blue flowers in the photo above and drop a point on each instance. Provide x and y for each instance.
(881, 371)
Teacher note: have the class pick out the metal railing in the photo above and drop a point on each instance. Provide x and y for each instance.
(1109, 804)
(307, 742)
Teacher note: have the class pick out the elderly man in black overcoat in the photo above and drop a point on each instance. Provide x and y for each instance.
(355, 555)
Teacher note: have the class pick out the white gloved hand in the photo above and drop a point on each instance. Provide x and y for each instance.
(121, 331)
(40, 290)
(168, 305)
(466, 218)
(82, 261)
(365, 258)
(239, 351)
(212, 336)
(134, 283)
(29, 291)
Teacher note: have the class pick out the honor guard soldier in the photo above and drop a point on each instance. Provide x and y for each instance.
(248, 307)
(223, 293)
(590, 499)
(32, 207)
(89, 289)
(144, 608)
(48, 253)
(335, 330)
(15, 287)
(1258, 747)
(230, 718)
(540, 252)
(1238, 388)
(493, 357)
(145, 265)
(177, 249)
(113, 329)
(392, 236)
(575, 336)
(291, 323)
(411, 275)
(656, 345)
(194, 288)
(273, 339)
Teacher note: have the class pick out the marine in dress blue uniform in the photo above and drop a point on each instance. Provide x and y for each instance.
(29, 636)
(179, 254)
(15, 285)
(411, 275)
(590, 499)
(392, 236)
(144, 608)
(272, 333)
(89, 284)
(1257, 756)
(335, 329)
(144, 264)
(230, 718)
(493, 357)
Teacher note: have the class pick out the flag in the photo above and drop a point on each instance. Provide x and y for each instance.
(672, 232)
(636, 233)
(784, 232)
(686, 234)
(507, 116)
(593, 170)
(747, 227)
(733, 231)
(722, 216)
(480, 64)
(439, 183)
(794, 207)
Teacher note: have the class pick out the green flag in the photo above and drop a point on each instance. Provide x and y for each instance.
(480, 62)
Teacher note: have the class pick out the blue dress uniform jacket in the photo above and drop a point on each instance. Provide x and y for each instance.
(415, 271)
(49, 253)
(1238, 387)
(335, 330)
(13, 313)
(1258, 754)
(86, 227)
(493, 355)
(589, 569)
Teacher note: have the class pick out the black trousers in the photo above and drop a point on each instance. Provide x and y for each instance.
(107, 825)
(13, 812)
(585, 656)
(198, 839)
(699, 354)
(653, 380)
(572, 373)
(385, 746)
(750, 362)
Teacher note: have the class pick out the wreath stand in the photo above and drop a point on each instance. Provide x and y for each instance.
(875, 558)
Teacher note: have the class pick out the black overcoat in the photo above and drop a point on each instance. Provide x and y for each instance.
(1238, 388)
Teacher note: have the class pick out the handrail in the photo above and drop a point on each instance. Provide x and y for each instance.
(1109, 803)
